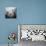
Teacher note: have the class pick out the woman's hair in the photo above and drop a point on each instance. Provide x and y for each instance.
(10, 15)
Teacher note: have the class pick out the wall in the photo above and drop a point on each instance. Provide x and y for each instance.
(28, 12)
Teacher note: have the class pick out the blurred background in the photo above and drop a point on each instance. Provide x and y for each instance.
(28, 12)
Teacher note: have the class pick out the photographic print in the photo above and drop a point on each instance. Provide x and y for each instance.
(10, 12)
(30, 34)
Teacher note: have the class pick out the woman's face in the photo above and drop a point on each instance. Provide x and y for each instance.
(11, 13)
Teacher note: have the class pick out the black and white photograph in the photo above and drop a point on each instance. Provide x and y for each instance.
(31, 34)
(10, 12)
